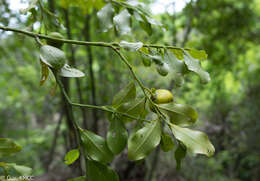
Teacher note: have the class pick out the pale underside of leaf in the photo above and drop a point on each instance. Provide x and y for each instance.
(131, 46)
(68, 71)
(122, 22)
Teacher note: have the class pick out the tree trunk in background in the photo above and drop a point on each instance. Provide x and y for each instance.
(73, 63)
(92, 78)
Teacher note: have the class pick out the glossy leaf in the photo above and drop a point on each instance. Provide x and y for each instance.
(179, 114)
(128, 93)
(166, 142)
(105, 17)
(195, 141)
(96, 146)
(99, 172)
(117, 135)
(71, 156)
(45, 73)
(67, 71)
(135, 108)
(142, 142)
(122, 22)
(179, 155)
(82, 178)
(131, 46)
(194, 66)
(8, 147)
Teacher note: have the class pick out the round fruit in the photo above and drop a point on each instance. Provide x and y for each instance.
(163, 70)
(162, 96)
(146, 61)
(52, 56)
(54, 43)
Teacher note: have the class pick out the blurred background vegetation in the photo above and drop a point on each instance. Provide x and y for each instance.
(228, 106)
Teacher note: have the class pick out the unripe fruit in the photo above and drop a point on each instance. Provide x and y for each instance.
(146, 61)
(162, 96)
(52, 56)
(54, 43)
(163, 70)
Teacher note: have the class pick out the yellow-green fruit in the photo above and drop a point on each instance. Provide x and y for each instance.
(54, 43)
(52, 56)
(162, 96)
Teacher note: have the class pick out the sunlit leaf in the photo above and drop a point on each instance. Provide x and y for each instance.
(195, 141)
(128, 93)
(131, 46)
(122, 22)
(8, 147)
(96, 146)
(142, 142)
(116, 135)
(194, 66)
(179, 114)
(71, 156)
(178, 53)
(166, 142)
(198, 54)
(99, 172)
(105, 17)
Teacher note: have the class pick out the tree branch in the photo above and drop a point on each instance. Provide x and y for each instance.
(100, 44)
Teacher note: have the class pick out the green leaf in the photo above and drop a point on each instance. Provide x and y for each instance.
(178, 53)
(99, 172)
(122, 22)
(31, 6)
(166, 142)
(14, 169)
(198, 54)
(135, 108)
(128, 93)
(71, 156)
(8, 147)
(96, 146)
(195, 141)
(145, 25)
(23, 170)
(82, 178)
(180, 154)
(67, 71)
(45, 73)
(105, 17)
(179, 114)
(142, 142)
(52, 56)
(194, 66)
(131, 46)
(175, 64)
(117, 135)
